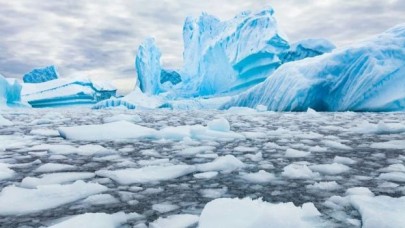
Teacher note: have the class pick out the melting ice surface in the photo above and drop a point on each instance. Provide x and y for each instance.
(185, 168)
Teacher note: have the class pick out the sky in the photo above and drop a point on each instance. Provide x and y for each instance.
(100, 38)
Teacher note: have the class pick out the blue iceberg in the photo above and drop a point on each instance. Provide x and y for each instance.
(368, 76)
(66, 92)
(306, 49)
(148, 67)
(224, 57)
(10, 92)
(41, 75)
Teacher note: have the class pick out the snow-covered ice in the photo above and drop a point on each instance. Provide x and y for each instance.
(19, 201)
(257, 213)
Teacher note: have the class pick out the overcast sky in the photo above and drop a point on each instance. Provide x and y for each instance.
(100, 37)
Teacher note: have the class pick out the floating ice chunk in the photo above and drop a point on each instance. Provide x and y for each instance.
(394, 168)
(89, 150)
(318, 149)
(221, 124)
(393, 176)
(298, 171)
(164, 207)
(45, 132)
(21, 201)
(245, 149)
(225, 164)
(127, 130)
(292, 153)
(98, 220)
(336, 145)
(380, 128)
(54, 167)
(206, 175)
(359, 191)
(5, 122)
(109, 131)
(147, 174)
(259, 177)
(380, 211)
(213, 193)
(5, 172)
(256, 213)
(191, 151)
(344, 160)
(326, 186)
(55, 178)
(175, 221)
(330, 169)
(255, 157)
(100, 199)
(123, 117)
(393, 144)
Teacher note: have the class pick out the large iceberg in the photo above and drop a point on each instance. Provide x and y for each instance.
(229, 56)
(10, 92)
(368, 76)
(305, 49)
(66, 92)
(41, 75)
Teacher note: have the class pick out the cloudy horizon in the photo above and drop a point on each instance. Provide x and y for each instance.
(100, 38)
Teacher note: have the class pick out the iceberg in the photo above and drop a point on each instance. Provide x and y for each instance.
(229, 56)
(66, 92)
(305, 49)
(10, 92)
(368, 76)
(41, 75)
(148, 67)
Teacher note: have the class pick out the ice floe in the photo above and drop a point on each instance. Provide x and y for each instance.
(257, 213)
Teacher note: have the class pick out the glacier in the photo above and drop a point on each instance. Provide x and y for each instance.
(66, 92)
(41, 75)
(10, 92)
(367, 76)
